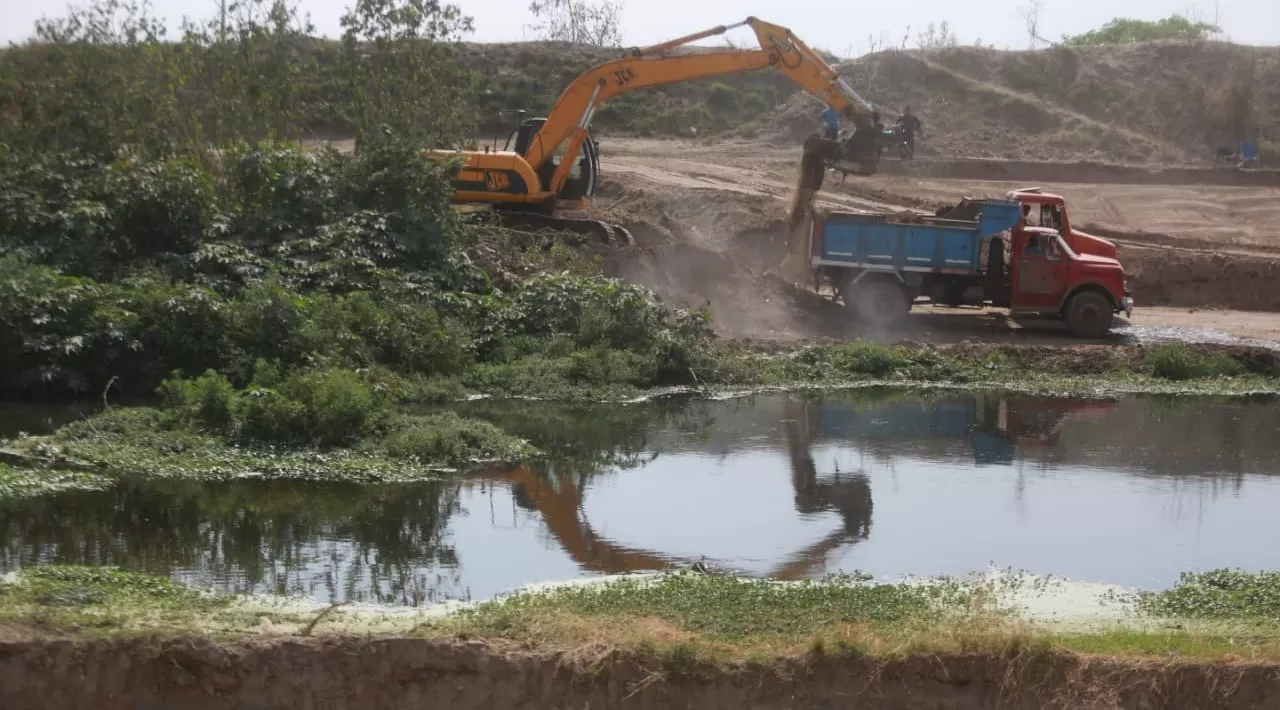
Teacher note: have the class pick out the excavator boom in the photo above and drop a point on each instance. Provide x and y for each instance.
(536, 177)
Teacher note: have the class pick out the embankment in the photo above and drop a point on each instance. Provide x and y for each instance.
(346, 672)
(1032, 171)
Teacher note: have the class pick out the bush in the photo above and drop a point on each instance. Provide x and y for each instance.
(210, 400)
(1176, 361)
(307, 261)
(450, 438)
(323, 407)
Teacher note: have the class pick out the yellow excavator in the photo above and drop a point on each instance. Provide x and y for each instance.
(553, 163)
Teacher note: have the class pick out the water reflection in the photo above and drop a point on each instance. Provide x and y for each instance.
(1130, 491)
(383, 543)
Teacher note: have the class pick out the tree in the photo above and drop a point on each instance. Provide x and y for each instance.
(398, 56)
(1030, 14)
(936, 37)
(593, 22)
(1123, 30)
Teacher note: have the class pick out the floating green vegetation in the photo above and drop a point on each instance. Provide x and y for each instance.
(136, 441)
(24, 482)
(1219, 594)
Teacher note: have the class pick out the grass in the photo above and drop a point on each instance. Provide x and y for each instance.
(722, 608)
(724, 618)
(687, 619)
(1035, 369)
(103, 599)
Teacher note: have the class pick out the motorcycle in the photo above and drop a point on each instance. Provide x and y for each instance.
(894, 138)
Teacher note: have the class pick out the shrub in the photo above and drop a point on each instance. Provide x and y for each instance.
(1176, 361)
(209, 400)
(449, 438)
(323, 407)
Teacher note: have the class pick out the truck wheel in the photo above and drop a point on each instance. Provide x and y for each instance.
(877, 301)
(1089, 315)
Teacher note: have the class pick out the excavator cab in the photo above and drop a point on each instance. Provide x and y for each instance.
(582, 179)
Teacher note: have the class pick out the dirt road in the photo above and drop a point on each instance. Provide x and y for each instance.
(1204, 261)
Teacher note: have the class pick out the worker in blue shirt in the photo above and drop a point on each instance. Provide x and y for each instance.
(830, 123)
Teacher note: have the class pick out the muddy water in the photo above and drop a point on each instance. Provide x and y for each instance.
(1131, 491)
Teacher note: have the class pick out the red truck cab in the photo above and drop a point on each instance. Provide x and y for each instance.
(1045, 209)
(1048, 276)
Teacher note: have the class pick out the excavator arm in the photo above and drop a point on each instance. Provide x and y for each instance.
(528, 183)
(656, 66)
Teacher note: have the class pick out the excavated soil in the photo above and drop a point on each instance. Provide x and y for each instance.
(709, 219)
(346, 673)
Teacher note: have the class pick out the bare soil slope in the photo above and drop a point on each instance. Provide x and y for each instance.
(1144, 103)
(344, 673)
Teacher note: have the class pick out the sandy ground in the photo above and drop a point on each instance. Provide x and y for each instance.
(1204, 260)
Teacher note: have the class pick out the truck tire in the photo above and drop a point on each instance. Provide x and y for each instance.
(878, 301)
(1089, 314)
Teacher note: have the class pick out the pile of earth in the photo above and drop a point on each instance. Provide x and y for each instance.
(1157, 102)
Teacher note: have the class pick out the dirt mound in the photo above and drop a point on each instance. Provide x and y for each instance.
(1176, 277)
(1036, 172)
(1145, 103)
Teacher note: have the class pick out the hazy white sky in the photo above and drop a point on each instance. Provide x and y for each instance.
(841, 27)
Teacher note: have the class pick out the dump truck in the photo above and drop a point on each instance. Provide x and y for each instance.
(980, 252)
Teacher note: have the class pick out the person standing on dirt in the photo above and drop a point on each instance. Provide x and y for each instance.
(910, 126)
(830, 119)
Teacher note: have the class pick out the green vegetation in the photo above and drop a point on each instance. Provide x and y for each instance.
(1123, 30)
(23, 482)
(1219, 594)
(336, 424)
(280, 307)
(103, 599)
(687, 619)
(155, 443)
(1176, 361)
(99, 586)
(722, 608)
(279, 259)
(107, 73)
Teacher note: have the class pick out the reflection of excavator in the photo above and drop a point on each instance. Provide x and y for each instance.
(559, 501)
(848, 494)
(554, 161)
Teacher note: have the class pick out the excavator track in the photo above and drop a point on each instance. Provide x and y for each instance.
(601, 230)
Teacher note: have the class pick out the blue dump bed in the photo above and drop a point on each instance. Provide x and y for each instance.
(908, 243)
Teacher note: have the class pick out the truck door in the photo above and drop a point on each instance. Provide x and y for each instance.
(1041, 274)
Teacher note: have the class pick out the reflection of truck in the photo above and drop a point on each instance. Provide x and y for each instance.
(977, 253)
(995, 426)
